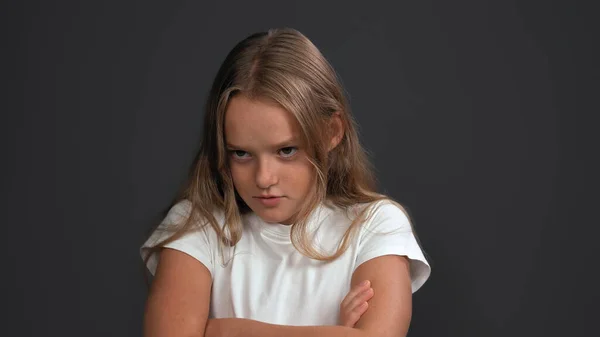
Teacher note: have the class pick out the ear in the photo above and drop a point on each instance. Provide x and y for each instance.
(336, 130)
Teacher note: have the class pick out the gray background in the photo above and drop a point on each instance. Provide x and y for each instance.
(477, 115)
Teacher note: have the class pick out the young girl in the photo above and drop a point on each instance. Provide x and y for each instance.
(280, 223)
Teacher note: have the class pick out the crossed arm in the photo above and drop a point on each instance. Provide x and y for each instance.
(170, 310)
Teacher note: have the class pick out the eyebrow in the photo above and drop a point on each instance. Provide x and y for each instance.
(279, 145)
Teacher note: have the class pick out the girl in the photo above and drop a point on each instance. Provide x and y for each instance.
(280, 219)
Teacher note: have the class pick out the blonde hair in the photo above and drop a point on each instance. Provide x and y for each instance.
(284, 66)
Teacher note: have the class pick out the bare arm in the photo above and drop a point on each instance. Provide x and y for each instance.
(179, 297)
(389, 311)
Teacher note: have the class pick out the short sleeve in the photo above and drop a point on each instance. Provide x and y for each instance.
(388, 232)
(194, 242)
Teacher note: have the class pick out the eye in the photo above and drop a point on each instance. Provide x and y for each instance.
(239, 154)
(288, 152)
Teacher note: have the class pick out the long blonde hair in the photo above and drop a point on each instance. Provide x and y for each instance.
(284, 66)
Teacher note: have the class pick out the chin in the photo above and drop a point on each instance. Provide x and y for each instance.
(272, 216)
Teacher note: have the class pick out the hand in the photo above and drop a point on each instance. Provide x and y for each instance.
(355, 304)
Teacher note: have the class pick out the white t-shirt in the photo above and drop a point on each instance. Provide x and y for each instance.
(268, 280)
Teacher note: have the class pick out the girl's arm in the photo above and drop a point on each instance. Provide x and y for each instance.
(388, 315)
(179, 298)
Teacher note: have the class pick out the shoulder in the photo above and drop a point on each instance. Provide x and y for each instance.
(388, 230)
(365, 217)
(385, 213)
(184, 210)
(183, 228)
(184, 222)
(178, 212)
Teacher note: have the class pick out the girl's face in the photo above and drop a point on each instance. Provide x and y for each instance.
(267, 158)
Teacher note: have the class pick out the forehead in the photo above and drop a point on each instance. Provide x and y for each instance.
(257, 122)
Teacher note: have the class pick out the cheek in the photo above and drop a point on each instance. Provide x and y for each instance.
(240, 176)
(301, 176)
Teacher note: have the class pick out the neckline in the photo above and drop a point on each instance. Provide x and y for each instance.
(279, 232)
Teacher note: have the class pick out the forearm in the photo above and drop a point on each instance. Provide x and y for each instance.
(238, 327)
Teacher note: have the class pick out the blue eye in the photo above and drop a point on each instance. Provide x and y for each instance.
(287, 152)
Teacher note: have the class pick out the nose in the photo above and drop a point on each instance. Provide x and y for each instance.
(266, 174)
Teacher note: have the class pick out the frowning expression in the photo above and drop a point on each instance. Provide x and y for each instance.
(267, 158)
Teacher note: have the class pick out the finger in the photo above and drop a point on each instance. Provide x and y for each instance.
(351, 317)
(367, 294)
(361, 298)
(357, 289)
(357, 313)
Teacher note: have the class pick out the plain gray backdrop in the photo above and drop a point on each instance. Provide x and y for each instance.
(475, 114)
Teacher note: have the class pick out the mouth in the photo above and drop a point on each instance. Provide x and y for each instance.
(270, 201)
